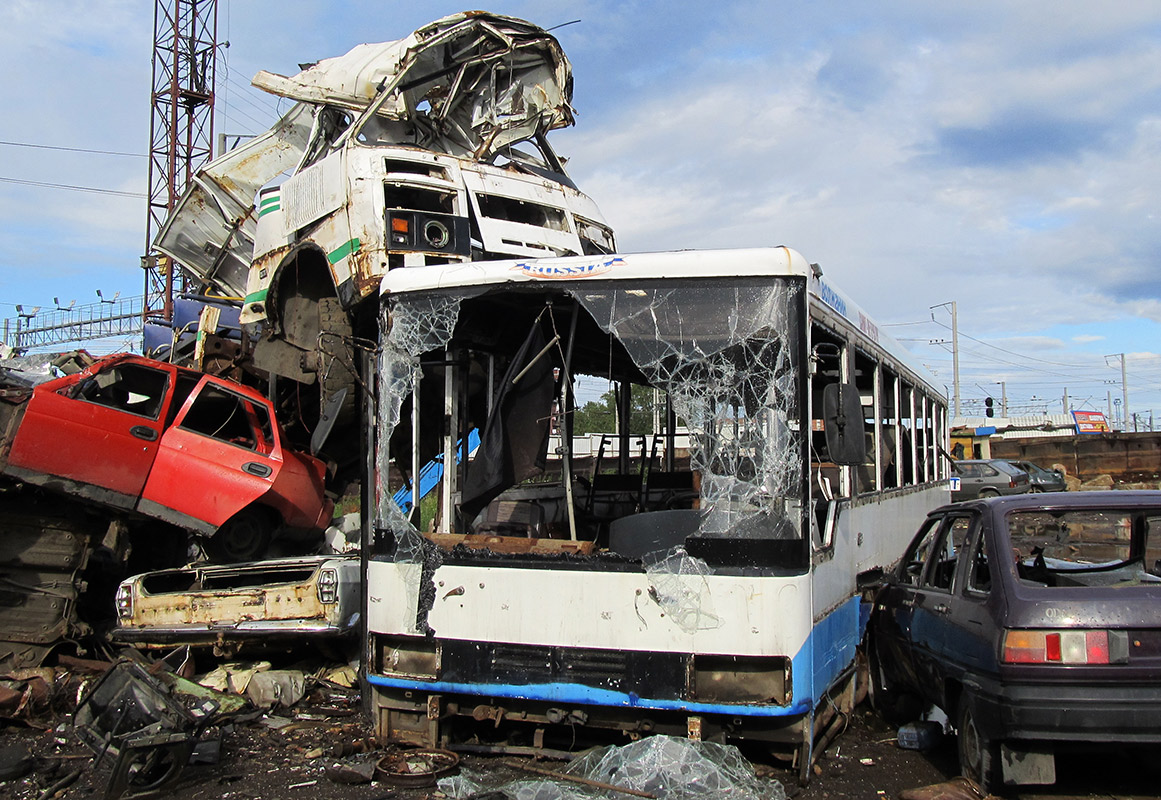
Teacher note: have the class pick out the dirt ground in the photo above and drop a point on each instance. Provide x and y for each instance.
(258, 762)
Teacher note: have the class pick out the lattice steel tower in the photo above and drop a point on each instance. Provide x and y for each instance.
(181, 131)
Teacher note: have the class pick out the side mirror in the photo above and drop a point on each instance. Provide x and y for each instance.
(842, 411)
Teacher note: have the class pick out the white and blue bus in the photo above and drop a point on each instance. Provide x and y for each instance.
(703, 568)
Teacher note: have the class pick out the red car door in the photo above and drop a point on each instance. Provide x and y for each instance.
(95, 433)
(215, 460)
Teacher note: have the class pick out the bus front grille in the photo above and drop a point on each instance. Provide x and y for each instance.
(659, 674)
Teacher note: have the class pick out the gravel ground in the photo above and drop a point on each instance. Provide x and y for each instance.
(258, 762)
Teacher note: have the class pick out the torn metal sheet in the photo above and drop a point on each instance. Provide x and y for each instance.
(469, 84)
(211, 230)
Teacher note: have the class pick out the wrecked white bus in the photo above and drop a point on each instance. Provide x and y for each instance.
(700, 578)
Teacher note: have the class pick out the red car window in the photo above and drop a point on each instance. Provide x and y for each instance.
(126, 387)
(224, 416)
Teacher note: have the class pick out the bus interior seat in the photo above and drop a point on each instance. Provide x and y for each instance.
(512, 518)
(635, 535)
(668, 490)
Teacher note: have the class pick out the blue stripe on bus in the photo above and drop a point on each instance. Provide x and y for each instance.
(577, 693)
(828, 651)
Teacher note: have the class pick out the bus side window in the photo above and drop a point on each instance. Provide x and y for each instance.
(827, 355)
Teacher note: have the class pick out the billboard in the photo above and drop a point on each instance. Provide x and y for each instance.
(1090, 422)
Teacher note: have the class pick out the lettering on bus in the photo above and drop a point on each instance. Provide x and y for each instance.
(832, 299)
(868, 327)
(558, 271)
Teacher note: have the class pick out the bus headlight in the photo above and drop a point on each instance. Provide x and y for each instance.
(740, 679)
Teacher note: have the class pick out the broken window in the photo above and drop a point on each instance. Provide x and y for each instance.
(712, 456)
(225, 416)
(1084, 547)
(126, 387)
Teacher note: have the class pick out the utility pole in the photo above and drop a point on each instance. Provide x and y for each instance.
(954, 353)
(1003, 398)
(1064, 402)
(1124, 388)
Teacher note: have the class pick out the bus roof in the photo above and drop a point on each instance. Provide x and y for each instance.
(676, 264)
(615, 267)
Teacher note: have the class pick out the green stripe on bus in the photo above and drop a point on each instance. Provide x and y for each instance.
(337, 255)
(267, 208)
(257, 297)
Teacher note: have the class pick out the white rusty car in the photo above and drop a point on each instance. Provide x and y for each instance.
(229, 607)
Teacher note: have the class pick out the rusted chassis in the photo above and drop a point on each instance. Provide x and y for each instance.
(500, 724)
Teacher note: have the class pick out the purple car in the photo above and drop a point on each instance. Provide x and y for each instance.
(1033, 621)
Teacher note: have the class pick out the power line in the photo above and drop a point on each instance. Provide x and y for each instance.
(92, 189)
(73, 149)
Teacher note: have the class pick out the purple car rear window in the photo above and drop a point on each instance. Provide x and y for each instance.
(1075, 539)
(1084, 547)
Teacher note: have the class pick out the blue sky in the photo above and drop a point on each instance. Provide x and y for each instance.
(999, 155)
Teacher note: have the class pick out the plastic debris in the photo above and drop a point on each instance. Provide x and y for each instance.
(920, 735)
(678, 585)
(276, 687)
(233, 677)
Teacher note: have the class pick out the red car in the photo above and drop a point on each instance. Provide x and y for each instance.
(145, 436)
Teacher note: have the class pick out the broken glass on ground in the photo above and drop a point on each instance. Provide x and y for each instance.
(664, 767)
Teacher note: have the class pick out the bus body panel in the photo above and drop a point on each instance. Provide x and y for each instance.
(612, 610)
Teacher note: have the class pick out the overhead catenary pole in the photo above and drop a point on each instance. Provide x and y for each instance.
(954, 354)
(181, 129)
(1124, 390)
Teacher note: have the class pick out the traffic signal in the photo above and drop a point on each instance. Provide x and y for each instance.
(988, 410)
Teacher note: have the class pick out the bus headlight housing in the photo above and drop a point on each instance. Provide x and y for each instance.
(740, 679)
(408, 657)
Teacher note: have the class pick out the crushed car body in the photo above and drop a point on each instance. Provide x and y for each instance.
(232, 606)
(161, 441)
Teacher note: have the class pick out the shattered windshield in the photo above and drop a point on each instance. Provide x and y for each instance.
(725, 354)
(721, 356)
